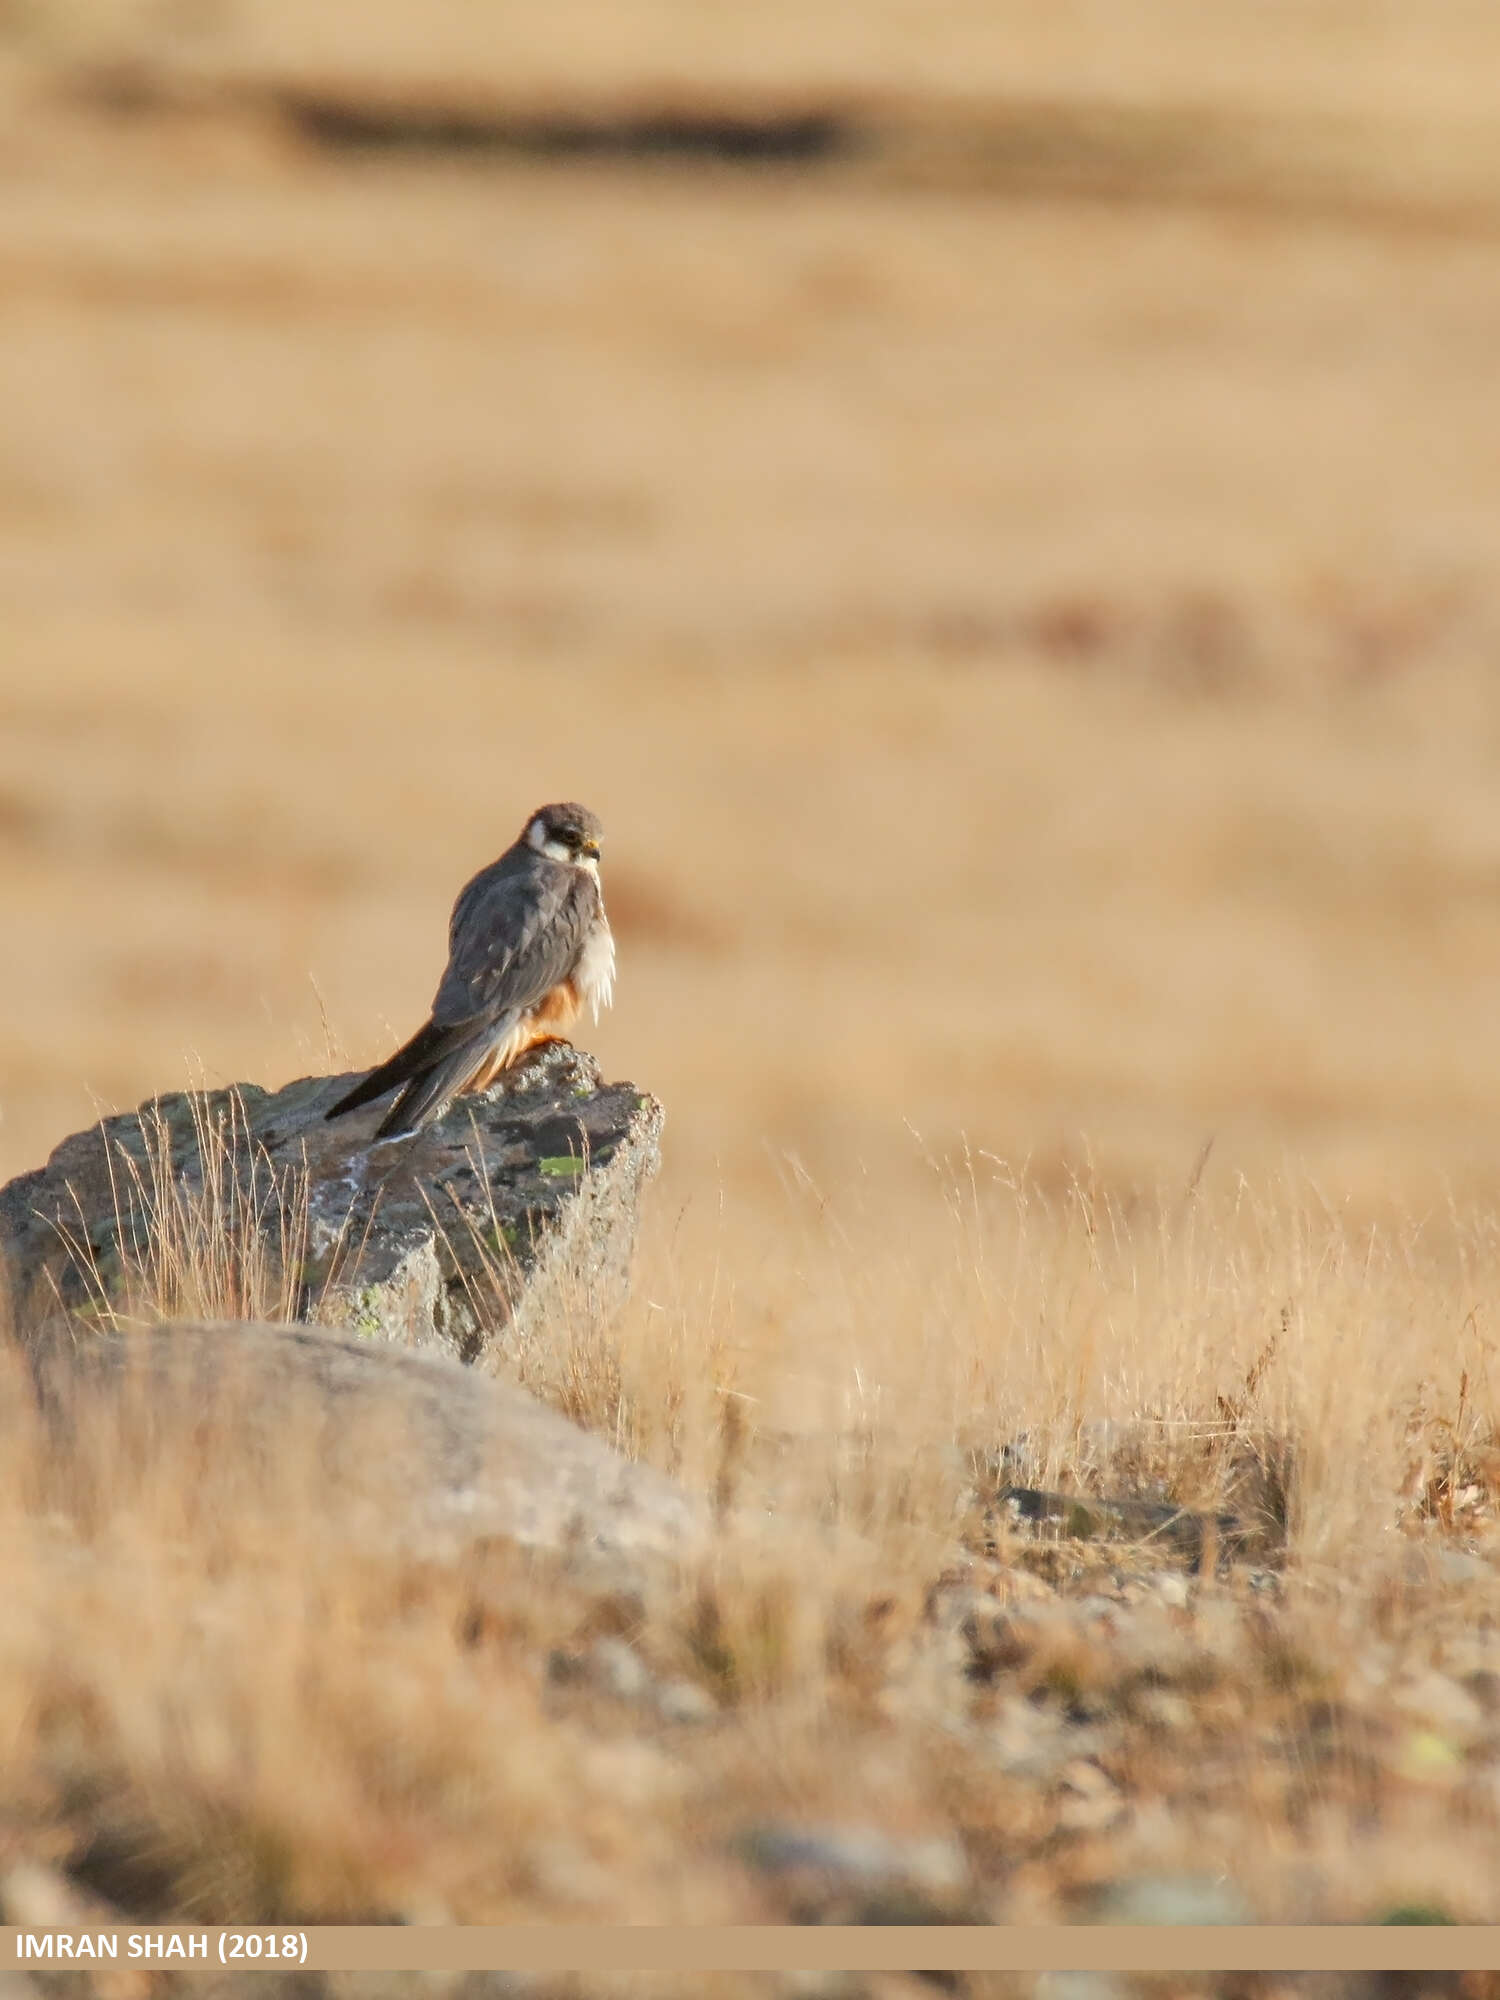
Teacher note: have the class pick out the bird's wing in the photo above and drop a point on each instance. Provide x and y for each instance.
(517, 931)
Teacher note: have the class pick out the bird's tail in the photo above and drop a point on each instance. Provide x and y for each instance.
(429, 1093)
(433, 1066)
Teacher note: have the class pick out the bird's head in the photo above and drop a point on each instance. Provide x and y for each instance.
(568, 833)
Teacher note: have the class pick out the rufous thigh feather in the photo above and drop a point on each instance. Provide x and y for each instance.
(548, 1021)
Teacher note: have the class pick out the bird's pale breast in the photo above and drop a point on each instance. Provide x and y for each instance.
(594, 974)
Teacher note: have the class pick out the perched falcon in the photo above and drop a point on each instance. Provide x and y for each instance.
(528, 945)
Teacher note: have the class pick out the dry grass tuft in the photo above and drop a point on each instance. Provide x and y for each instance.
(222, 1237)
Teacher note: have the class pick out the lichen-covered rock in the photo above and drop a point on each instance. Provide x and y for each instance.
(519, 1205)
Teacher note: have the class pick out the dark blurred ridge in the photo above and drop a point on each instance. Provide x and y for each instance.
(348, 121)
(771, 138)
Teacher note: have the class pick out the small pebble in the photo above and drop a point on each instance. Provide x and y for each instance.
(617, 1668)
(1173, 1899)
(685, 1701)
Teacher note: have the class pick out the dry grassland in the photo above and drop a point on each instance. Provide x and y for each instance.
(308, 1726)
(1035, 661)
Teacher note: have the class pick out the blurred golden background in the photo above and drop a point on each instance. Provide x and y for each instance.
(994, 504)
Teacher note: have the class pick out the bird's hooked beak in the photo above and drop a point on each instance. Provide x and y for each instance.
(590, 850)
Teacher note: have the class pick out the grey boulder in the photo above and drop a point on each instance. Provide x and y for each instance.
(410, 1453)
